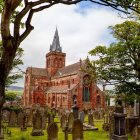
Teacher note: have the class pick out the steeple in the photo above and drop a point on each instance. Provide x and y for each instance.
(55, 47)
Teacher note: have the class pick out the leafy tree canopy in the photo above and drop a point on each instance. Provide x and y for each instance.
(10, 96)
(120, 62)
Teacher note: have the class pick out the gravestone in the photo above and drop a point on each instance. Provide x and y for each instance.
(22, 120)
(12, 119)
(77, 130)
(82, 116)
(70, 121)
(131, 111)
(29, 114)
(135, 133)
(52, 131)
(119, 122)
(60, 111)
(44, 121)
(75, 109)
(96, 114)
(63, 121)
(137, 108)
(106, 124)
(50, 118)
(111, 126)
(37, 124)
(53, 111)
(5, 116)
(90, 120)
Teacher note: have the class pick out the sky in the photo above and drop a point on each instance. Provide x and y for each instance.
(81, 28)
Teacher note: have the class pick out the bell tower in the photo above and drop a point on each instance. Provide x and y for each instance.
(55, 59)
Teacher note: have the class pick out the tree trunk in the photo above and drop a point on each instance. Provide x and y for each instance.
(2, 94)
(5, 67)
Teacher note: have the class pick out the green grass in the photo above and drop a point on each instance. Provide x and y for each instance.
(88, 135)
(18, 92)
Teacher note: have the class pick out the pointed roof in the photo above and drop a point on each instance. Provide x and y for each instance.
(55, 47)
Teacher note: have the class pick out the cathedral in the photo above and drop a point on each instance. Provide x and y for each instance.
(58, 85)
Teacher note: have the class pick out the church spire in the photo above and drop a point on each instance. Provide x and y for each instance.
(55, 47)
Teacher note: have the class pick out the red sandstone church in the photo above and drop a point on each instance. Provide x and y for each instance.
(58, 85)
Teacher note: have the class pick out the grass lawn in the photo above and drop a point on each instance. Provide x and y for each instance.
(88, 135)
(17, 92)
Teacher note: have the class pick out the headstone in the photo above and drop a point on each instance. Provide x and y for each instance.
(138, 109)
(131, 111)
(63, 121)
(75, 109)
(12, 119)
(52, 131)
(50, 118)
(135, 107)
(22, 120)
(70, 121)
(37, 124)
(119, 122)
(106, 124)
(29, 117)
(77, 130)
(5, 116)
(53, 111)
(82, 116)
(44, 121)
(111, 126)
(90, 120)
(135, 133)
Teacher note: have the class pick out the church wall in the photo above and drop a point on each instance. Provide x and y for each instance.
(65, 80)
(57, 100)
(36, 86)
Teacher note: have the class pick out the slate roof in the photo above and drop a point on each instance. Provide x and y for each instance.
(68, 70)
(60, 89)
(38, 71)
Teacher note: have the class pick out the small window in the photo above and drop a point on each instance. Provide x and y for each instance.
(62, 82)
(49, 100)
(73, 81)
(63, 99)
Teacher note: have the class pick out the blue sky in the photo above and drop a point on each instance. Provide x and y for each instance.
(80, 27)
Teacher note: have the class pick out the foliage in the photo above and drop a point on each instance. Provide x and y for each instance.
(120, 62)
(12, 108)
(10, 96)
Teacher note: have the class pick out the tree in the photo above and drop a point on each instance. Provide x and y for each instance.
(11, 40)
(10, 96)
(119, 64)
(15, 72)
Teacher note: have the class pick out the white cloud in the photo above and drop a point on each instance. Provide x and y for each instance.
(78, 32)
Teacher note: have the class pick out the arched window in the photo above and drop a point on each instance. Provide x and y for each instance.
(38, 100)
(73, 81)
(62, 82)
(60, 62)
(63, 99)
(49, 100)
(48, 63)
(55, 63)
(98, 101)
(86, 89)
